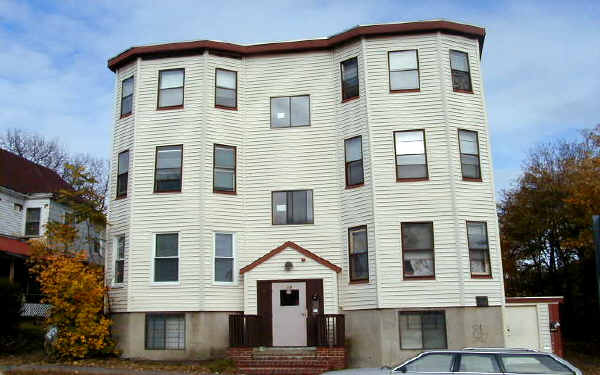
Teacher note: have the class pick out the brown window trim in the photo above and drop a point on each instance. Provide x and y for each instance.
(123, 115)
(219, 106)
(390, 73)
(180, 171)
(361, 280)
(227, 192)
(471, 179)
(470, 77)
(291, 126)
(179, 106)
(411, 179)
(286, 191)
(479, 275)
(409, 277)
(350, 187)
(121, 196)
(346, 163)
(342, 80)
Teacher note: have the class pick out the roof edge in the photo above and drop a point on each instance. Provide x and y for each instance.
(183, 48)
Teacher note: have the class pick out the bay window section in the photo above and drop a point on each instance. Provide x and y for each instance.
(224, 175)
(122, 174)
(469, 155)
(461, 71)
(358, 253)
(349, 71)
(479, 250)
(354, 162)
(126, 96)
(224, 257)
(411, 156)
(290, 111)
(225, 89)
(292, 207)
(166, 257)
(167, 175)
(170, 88)
(417, 250)
(404, 70)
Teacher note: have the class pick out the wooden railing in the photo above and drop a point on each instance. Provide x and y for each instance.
(325, 330)
(246, 330)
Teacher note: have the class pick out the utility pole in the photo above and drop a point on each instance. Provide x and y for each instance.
(596, 227)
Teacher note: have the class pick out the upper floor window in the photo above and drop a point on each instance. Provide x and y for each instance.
(469, 154)
(166, 257)
(404, 70)
(122, 174)
(349, 78)
(119, 259)
(417, 250)
(479, 250)
(224, 257)
(425, 330)
(461, 72)
(358, 253)
(292, 207)
(411, 158)
(290, 111)
(18, 207)
(32, 221)
(226, 88)
(170, 88)
(354, 161)
(126, 96)
(167, 175)
(224, 169)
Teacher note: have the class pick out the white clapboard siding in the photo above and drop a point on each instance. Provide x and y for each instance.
(12, 221)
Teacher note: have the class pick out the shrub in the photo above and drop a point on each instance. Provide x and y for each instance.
(12, 303)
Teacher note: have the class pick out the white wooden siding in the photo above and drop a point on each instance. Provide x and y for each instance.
(12, 221)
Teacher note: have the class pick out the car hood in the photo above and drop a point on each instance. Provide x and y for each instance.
(361, 371)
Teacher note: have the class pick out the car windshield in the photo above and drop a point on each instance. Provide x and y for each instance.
(435, 362)
(533, 364)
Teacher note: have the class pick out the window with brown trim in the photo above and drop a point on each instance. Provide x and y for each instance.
(126, 96)
(354, 162)
(349, 71)
(119, 259)
(167, 174)
(411, 155)
(417, 250)
(469, 154)
(290, 111)
(292, 207)
(170, 88)
(358, 250)
(122, 174)
(224, 167)
(461, 71)
(479, 249)
(32, 221)
(404, 70)
(225, 88)
(423, 330)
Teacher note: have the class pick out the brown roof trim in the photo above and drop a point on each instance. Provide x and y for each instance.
(296, 247)
(534, 299)
(195, 47)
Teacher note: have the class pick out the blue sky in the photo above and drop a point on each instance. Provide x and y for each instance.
(541, 60)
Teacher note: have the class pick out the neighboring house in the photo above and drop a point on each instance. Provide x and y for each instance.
(28, 201)
(268, 194)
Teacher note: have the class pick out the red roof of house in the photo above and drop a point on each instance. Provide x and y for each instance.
(13, 246)
(24, 176)
(300, 249)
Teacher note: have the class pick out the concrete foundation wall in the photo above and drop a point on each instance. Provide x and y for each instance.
(374, 335)
(206, 336)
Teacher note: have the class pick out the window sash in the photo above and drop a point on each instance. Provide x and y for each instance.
(354, 161)
(350, 80)
(168, 178)
(225, 88)
(358, 258)
(165, 332)
(126, 96)
(290, 111)
(460, 71)
(411, 155)
(223, 168)
(470, 163)
(404, 70)
(123, 173)
(287, 211)
(166, 263)
(32, 221)
(479, 249)
(426, 329)
(224, 261)
(171, 88)
(418, 261)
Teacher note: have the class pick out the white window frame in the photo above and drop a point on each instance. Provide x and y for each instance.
(235, 277)
(116, 258)
(167, 283)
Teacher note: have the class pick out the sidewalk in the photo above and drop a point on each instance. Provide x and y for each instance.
(67, 370)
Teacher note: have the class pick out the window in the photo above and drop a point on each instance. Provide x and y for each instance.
(533, 364)
(417, 250)
(290, 297)
(120, 260)
(354, 162)
(479, 363)
(32, 221)
(225, 89)
(461, 73)
(479, 252)
(97, 247)
(411, 156)
(167, 176)
(170, 88)
(469, 154)
(126, 96)
(292, 207)
(423, 330)
(166, 257)
(349, 79)
(224, 257)
(224, 169)
(438, 362)
(165, 331)
(358, 253)
(122, 174)
(290, 111)
(18, 207)
(404, 70)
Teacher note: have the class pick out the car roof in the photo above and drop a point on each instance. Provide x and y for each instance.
(487, 350)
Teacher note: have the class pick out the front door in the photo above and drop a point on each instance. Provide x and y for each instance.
(289, 313)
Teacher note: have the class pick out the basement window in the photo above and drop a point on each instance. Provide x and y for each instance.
(165, 331)
(422, 330)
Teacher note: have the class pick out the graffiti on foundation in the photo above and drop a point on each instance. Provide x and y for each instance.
(480, 334)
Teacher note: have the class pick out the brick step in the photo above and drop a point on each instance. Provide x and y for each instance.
(281, 370)
(270, 357)
(283, 362)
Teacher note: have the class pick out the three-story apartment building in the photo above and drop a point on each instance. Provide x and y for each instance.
(345, 175)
